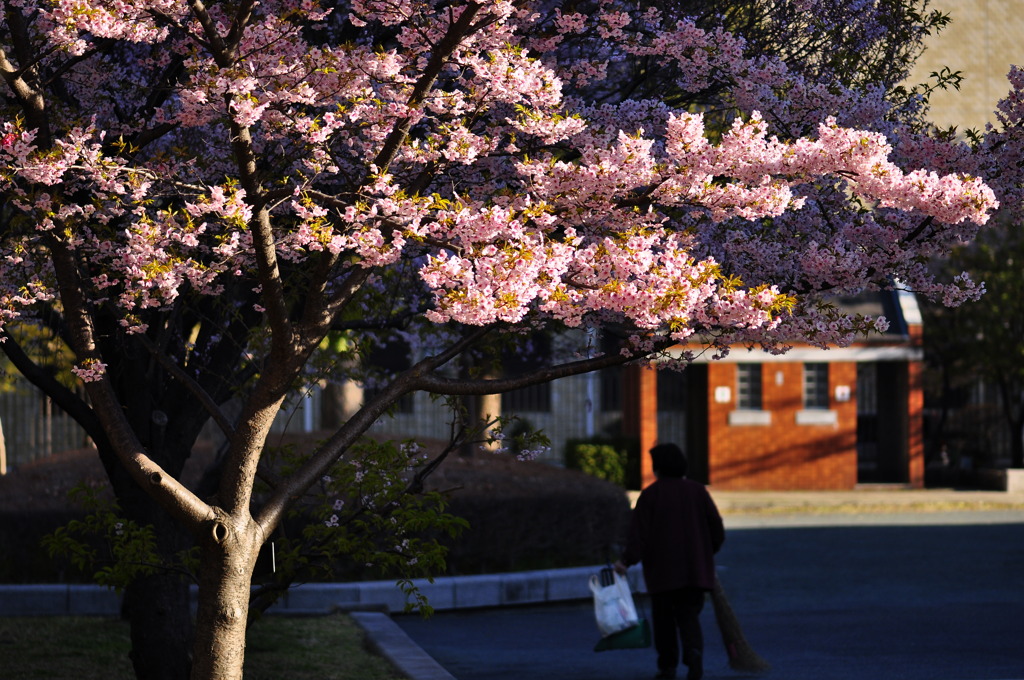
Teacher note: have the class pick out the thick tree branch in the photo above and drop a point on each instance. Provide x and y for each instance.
(67, 400)
(214, 41)
(317, 465)
(459, 30)
(245, 158)
(925, 223)
(349, 287)
(164, 488)
(420, 377)
(238, 26)
(32, 100)
(272, 295)
(454, 386)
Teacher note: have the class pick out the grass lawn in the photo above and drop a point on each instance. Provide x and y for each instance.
(92, 648)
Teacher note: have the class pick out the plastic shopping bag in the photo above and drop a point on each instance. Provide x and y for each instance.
(613, 602)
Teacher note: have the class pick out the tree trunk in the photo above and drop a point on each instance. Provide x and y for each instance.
(338, 403)
(225, 573)
(1013, 411)
(1017, 444)
(161, 627)
(156, 606)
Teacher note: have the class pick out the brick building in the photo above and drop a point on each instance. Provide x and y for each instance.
(808, 419)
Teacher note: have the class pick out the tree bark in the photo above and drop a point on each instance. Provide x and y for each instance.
(1017, 443)
(157, 605)
(229, 550)
(161, 627)
(1013, 412)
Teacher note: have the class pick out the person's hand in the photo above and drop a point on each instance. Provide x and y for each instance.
(620, 568)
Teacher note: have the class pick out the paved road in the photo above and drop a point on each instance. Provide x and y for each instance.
(878, 600)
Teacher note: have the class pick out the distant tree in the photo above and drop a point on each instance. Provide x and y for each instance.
(216, 205)
(985, 340)
(867, 44)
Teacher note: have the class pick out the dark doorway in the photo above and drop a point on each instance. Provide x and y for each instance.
(882, 446)
(696, 448)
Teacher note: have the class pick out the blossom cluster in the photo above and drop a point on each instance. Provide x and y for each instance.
(473, 145)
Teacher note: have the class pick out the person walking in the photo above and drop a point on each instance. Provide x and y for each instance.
(675, 531)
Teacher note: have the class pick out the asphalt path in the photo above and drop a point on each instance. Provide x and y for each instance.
(926, 597)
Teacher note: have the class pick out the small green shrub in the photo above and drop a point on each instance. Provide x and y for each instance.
(614, 459)
(599, 460)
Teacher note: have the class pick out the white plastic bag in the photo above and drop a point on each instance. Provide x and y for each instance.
(613, 603)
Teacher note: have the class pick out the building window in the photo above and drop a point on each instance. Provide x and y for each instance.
(816, 386)
(388, 359)
(748, 387)
(525, 356)
(672, 390)
(611, 389)
(535, 398)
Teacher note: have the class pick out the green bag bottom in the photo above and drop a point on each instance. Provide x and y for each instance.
(637, 637)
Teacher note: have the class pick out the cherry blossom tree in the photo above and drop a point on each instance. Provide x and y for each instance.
(200, 197)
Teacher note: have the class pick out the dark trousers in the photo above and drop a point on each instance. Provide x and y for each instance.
(676, 618)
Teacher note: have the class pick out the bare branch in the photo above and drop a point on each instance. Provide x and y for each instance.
(67, 400)
(455, 386)
(53, 77)
(194, 388)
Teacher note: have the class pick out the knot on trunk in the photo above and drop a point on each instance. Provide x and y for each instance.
(220, 532)
(231, 614)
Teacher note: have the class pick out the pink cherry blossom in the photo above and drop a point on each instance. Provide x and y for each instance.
(514, 196)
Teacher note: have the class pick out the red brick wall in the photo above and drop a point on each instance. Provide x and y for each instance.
(640, 413)
(915, 425)
(782, 455)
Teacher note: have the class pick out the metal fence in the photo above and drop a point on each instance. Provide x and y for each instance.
(572, 408)
(32, 427)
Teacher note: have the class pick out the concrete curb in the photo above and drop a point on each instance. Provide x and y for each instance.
(390, 641)
(58, 600)
(446, 593)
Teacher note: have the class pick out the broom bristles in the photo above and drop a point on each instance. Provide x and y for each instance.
(742, 656)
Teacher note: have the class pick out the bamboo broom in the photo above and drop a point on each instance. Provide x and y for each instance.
(742, 656)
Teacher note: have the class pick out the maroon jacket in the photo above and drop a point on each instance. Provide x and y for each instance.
(675, 531)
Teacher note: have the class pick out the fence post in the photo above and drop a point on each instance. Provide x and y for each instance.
(3, 451)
